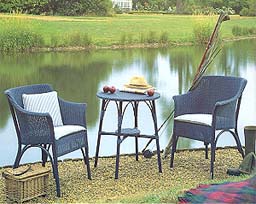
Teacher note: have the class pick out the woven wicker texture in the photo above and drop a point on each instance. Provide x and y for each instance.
(36, 129)
(216, 95)
(124, 96)
(26, 186)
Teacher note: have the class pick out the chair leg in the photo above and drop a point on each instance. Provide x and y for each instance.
(86, 162)
(117, 156)
(158, 156)
(57, 180)
(44, 155)
(54, 162)
(206, 150)
(238, 143)
(136, 148)
(18, 157)
(173, 150)
(212, 159)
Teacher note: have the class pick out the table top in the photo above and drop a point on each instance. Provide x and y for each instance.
(127, 96)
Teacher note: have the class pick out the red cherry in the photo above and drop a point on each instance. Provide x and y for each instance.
(112, 89)
(106, 89)
(150, 92)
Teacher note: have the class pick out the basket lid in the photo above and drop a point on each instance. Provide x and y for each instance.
(24, 172)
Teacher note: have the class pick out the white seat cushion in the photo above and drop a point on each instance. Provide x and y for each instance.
(61, 131)
(44, 103)
(201, 119)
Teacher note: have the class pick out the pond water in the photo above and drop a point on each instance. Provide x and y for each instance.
(78, 76)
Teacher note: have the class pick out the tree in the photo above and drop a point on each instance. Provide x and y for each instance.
(180, 6)
(238, 5)
(252, 7)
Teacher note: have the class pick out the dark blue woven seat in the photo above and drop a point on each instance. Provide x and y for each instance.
(37, 130)
(212, 105)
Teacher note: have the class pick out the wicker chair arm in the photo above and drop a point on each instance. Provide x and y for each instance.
(185, 103)
(224, 113)
(73, 113)
(226, 102)
(35, 128)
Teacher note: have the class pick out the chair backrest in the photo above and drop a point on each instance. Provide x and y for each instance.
(15, 101)
(15, 94)
(217, 88)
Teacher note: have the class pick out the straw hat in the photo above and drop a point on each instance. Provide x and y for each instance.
(138, 82)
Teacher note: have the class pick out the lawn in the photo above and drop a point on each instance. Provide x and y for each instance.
(121, 29)
(139, 181)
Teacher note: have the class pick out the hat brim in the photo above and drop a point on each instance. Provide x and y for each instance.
(135, 86)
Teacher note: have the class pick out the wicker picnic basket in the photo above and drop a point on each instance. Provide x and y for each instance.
(25, 183)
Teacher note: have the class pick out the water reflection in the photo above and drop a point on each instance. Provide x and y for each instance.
(77, 76)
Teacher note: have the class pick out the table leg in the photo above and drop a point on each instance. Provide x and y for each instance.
(118, 143)
(157, 137)
(119, 126)
(158, 156)
(136, 149)
(136, 104)
(103, 108)
(97, 151)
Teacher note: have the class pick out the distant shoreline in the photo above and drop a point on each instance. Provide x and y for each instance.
(131, 46)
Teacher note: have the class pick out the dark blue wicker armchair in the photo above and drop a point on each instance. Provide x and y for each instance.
(37, 129)
(212, 105)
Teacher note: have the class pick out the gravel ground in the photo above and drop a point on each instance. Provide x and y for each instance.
(136, 178)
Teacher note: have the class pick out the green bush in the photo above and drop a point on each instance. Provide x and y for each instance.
(164, 37)
(244, 12)
(60, 7)
(24, 6)
(117, 10)
(249, 11)
(17, 36)
(19, 40)
(152, 37)
(252, 31)
(130, 38)
(202, 32)
(123, 39)
(85, 39)
(77, 39)
(55, 41)
(237, 30)
(240, 31)
(142, 38)
(126, 38)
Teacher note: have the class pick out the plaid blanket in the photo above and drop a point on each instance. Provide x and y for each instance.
(229, 192)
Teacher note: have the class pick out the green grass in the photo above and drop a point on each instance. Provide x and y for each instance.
(171, 195)
(121, 29)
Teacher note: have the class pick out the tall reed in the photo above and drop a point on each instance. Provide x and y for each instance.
(123, 39)
(164, 38)
(77, 39)
(243, 31)
(202, 31)
(17, 35)
(152, 37)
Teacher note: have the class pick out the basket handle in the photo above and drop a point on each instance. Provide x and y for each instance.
(22, 172)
